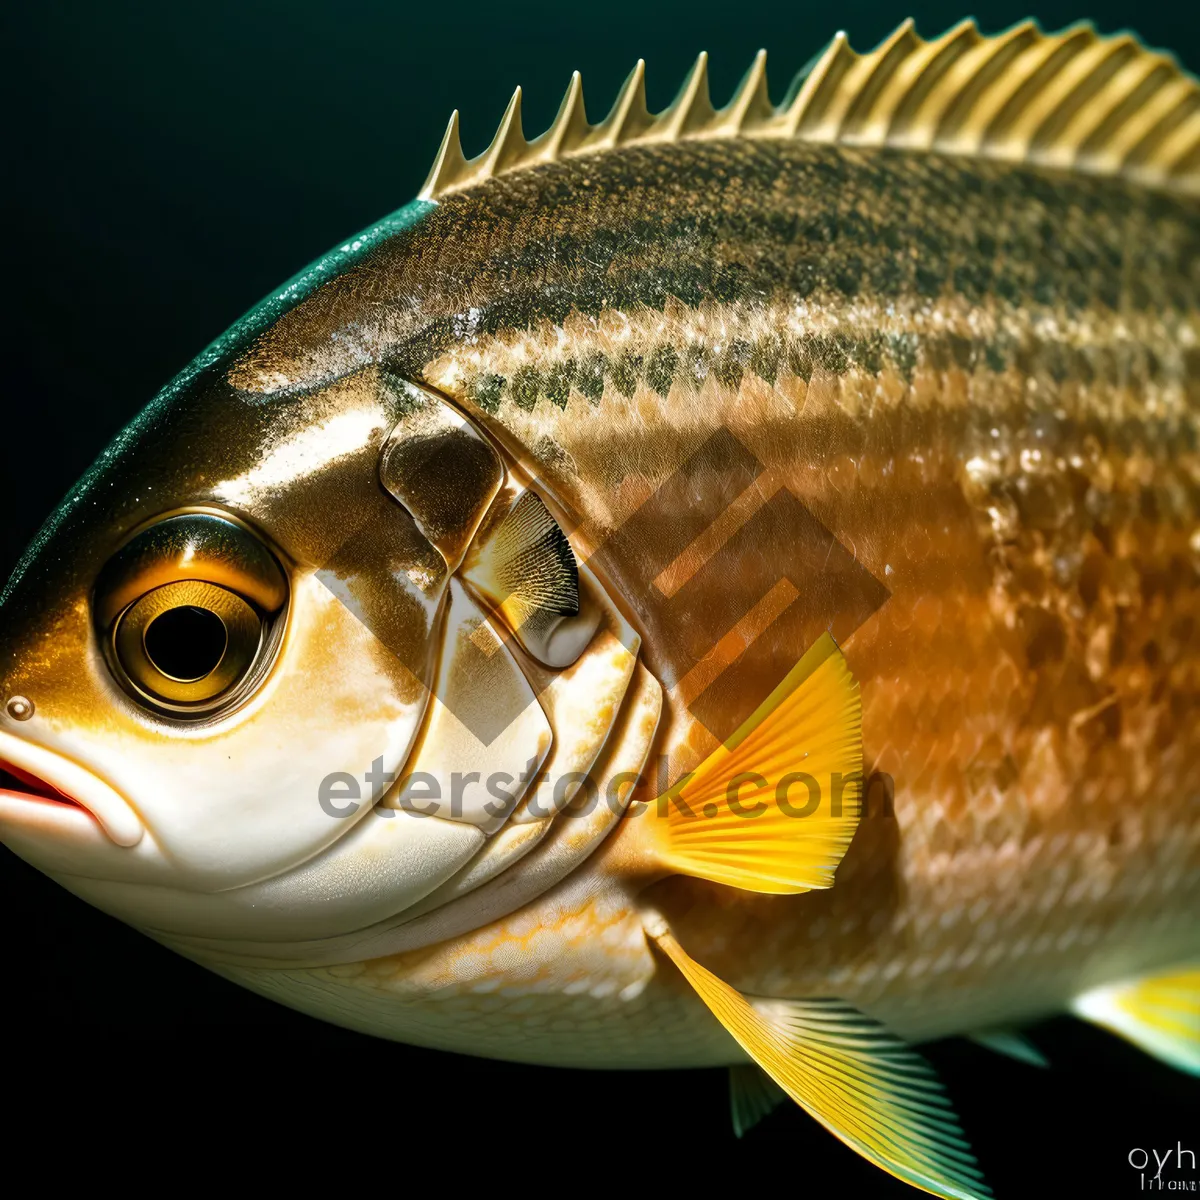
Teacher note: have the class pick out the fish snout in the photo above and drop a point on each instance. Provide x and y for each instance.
(38, 783)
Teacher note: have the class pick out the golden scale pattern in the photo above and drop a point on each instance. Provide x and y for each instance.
(1036, 715)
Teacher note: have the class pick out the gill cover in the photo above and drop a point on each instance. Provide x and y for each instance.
(514, 609)
(427, 831)
(513, 622)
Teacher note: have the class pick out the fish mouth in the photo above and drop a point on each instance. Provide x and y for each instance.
(22, 785)
(42, 787)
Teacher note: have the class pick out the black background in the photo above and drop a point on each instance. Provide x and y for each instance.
(168, 166)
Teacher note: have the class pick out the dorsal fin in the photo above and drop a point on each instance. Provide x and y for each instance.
(1071, 100)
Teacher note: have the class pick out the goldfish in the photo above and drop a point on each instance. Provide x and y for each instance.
(715, 588)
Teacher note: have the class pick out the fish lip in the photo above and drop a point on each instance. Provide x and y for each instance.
(20, 785)
(78, 789)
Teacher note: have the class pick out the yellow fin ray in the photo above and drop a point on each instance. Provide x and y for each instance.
(865, 1086)
(774, 808)
(1159, 1014)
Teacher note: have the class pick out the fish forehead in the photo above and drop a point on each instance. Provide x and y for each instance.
(205, 444)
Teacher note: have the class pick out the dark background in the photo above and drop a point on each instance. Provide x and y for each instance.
(168, 166)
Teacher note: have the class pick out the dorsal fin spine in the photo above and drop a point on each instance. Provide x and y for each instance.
(872, 74)
(913, 80)
(819, 87)
(569, 128)
(692, 109)
(449, 165)
(751, 103)
(509, 143)
(1072, 100)
(629, 115)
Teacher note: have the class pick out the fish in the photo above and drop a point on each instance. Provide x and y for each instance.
(716, 588)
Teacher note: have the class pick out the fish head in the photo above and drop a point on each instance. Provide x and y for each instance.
(237, 629)
(183, 665)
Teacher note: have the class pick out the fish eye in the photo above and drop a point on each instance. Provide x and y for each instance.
(189, 613)
(186, 642)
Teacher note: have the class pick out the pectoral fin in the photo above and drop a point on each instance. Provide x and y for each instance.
(1159, 1014)
(753, 1094)
(865, 1086)
(774, 808)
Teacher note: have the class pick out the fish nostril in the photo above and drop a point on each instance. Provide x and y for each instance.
(20, 708)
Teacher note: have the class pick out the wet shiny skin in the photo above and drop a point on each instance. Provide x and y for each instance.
(1017, 466)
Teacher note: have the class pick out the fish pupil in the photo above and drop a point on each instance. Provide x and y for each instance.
(186, 643)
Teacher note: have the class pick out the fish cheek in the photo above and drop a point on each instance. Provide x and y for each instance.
(337, 703)
(240, 799)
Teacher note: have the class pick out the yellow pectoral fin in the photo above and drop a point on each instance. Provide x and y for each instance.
(774, 808)
(1159, 1014)
(865, 1086)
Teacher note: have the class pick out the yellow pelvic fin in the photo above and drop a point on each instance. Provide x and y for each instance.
(1159, 1014)
(774, 808)
(865, 1086)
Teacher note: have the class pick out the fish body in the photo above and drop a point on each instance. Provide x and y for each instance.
(1020, 476)
(705, 443)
